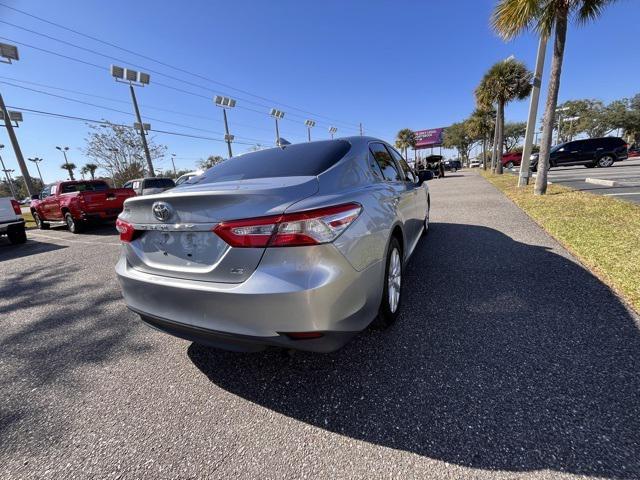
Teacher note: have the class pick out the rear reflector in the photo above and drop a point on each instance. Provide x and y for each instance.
(303, 335)
(127, 231)
(311, 227)
(16, 207)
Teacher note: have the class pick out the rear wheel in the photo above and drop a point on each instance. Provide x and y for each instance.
(39, 223)
(605, 161)
(425, 230)
(17, 235)
(509, 165)
(74, 225)
(392, 290)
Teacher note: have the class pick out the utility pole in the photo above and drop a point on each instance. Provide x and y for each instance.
(525, 162)
(175, 172)
(6, 174)
(37, 160)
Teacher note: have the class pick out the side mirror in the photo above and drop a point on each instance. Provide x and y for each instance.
(425, 176)
(35, 197)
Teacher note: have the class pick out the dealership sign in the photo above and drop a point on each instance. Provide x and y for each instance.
(429, 138)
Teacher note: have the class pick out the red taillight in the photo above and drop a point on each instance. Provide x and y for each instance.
(16, 207)
(127, 232)
(311, 227)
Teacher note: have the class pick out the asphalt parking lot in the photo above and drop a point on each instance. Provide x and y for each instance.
(510, 360)
(626, 172)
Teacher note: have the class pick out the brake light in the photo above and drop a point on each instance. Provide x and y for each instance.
(311, 227)
(16, 207)
(126, 230)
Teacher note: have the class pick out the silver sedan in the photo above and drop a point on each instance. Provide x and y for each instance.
(300, 247)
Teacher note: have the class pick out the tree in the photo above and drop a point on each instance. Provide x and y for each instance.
(118, 150)
(513, 17)
(513, 133)
(89, 168)
(211, 161)
(625, 114)
(69, 167)
(405, 139)
(481, 124)
(458, 136)
(587, 116)
(20, 187)
(504, 82)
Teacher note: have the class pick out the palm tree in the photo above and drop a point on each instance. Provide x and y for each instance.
(69, 167)
(504, 82)
(406, 138)
(481, 126)
(90, 168)
(512, 17)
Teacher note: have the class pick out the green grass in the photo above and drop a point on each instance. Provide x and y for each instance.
(28, 218)
(602, 232)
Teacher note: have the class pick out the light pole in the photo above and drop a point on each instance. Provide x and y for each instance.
(37, 160)
(9, 53)
(138, 79)
(310, 124)
(525, 163)
(175, 172)
(332, 131)
(559, 112)
(570, 120)
(6, 174)
(277, 115)
(64, 151)
(224, 103)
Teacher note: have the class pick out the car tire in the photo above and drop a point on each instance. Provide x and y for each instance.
(39, 223)
(605, 161)
(425, 230)
(509, 165)
(74, 226)
(391, 302)
(17, 235)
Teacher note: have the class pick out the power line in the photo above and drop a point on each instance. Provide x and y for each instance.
(202, 77)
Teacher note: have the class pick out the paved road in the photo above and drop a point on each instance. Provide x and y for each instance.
(627, 171)
(509, 361)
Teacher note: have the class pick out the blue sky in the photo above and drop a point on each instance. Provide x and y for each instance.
(386, 64)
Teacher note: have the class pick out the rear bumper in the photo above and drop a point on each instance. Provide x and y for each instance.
(11, 224)
(299, 289)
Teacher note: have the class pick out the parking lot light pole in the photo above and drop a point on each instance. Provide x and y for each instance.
(6, 174)
(138, 79)
(332, 131)
(559, 112)
(37, 160)
(277, 115)
(310, 124)
(224, 103)
(173, 162)
(525, 163)
(64, 151)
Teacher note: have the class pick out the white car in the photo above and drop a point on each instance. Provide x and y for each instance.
(188, 176)
(11, 221)
(475, 163)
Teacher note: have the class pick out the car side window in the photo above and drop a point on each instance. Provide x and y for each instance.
(127, 185)
(136, 185)
(46, 191)
(385, 162)
(406, 169)
(54, 189)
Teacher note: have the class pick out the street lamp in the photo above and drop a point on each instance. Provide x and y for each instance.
(37, 160)
(175, 172)
(278, 115)
(332, 131)
(6, 174)
(224, 103)
(310, 124)
(64, 151)
(139, 79)
(559, 112)
(570, 120)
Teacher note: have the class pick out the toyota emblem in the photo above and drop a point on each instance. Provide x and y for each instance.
(162, 211)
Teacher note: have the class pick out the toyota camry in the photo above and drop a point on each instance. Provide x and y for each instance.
(300, 247)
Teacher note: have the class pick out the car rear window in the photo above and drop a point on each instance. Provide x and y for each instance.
(84, 187)
(158, 183)
(299, 160)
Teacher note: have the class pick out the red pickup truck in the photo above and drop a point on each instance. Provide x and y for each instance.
(77, 203)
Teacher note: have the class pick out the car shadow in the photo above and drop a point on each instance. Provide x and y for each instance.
(507, 356)
(32, 247)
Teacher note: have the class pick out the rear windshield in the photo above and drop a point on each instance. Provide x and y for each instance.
(299, 160)
(158, 183)
(84, 187)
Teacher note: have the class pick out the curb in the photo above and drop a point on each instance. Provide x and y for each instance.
(609, 183)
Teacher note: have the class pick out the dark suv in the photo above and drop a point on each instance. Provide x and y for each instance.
(591, 152)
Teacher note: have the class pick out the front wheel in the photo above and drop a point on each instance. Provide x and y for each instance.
(39, 223)
(392, 290)
(73, 225)
(509, 165)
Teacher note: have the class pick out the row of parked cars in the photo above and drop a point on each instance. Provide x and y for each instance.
(591, 152)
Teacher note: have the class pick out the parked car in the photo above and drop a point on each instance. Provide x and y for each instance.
(475, 163)
(76, 203)
(187, 176)
(511, 159)
(11, 221)
(452, 165)
(591, 152)
(264, 249)
(150, 186)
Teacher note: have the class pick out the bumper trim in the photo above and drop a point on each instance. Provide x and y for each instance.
(329, 342)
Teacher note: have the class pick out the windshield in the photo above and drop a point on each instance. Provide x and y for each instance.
(158, 183)
(556, 148)
(304, 159)
(85, 187)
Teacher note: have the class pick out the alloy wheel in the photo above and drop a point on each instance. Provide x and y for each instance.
(605, 161)
(394, 280)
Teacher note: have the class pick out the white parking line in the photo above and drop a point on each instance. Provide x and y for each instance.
(40, 235)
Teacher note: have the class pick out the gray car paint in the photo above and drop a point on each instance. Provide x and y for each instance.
(334, 287)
